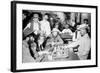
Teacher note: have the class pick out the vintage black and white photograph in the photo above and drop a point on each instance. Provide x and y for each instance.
(47, 36)
(55, 36)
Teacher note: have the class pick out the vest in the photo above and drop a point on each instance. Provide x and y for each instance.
(28, 31)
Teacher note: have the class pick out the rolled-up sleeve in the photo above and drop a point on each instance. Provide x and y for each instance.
(73, 44)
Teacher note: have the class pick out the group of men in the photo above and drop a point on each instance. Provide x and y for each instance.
(41, 32)
(37, 26)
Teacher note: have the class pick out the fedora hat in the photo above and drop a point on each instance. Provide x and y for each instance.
(55, 30)
(83, 26)
(35, 16)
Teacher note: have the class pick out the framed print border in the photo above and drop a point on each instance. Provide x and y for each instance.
(14, 35)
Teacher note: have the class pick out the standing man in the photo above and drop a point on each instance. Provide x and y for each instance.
(45, 25)
(84, 44)
(33, 26)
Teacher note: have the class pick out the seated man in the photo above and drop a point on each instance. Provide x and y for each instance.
(56, 27)
(33, 51)
(77, 34)
(26, 50)
(67, 30)
(84, 43)
(54, 38)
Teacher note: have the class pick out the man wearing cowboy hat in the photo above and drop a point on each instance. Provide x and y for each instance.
(55, 38)
(84, 43)
(33, 26)
(77, 34)
(85, 24)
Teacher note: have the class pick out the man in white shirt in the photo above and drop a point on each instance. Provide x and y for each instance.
(67, 30)
(84, 43)
(85, 24)
(45, 26)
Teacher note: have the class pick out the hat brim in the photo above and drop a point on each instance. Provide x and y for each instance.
(82, 28)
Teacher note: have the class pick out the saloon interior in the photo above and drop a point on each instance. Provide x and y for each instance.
(73, 19)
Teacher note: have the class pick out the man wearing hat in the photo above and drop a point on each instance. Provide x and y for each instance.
(77, 34)
(84, 43)
(54, 38)
(33, 26)
(85, 24)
